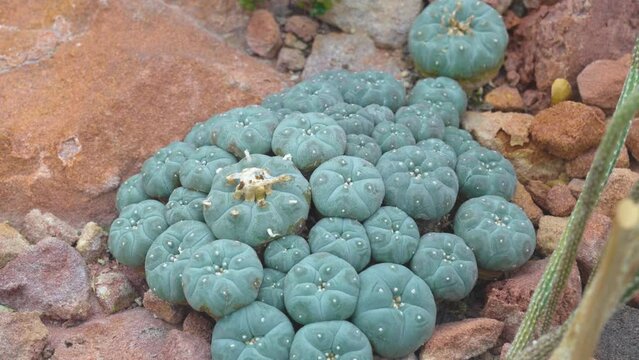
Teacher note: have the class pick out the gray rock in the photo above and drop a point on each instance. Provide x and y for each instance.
(51, 277)
(290, 59)
(386, 22)
(92, 243)
(355, 52)
(12, 244)
(114, 291)
(619, 337)
(38, 225)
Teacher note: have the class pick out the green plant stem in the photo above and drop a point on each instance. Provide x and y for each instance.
(545, 297)
(618, 267)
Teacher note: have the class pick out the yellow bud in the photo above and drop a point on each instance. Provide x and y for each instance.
(560, 91)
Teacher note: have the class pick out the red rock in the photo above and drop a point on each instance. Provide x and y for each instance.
(539, 192)
(507, 300)
(171, 313)
(619, 185)
(559, 41)
(12, 244)
(579, 166)
(523, 199)
(22, 336)
(505, 98)
(535, 100)
(462, 340)
(130, 334)
(600, 83)
(560, 201)
(355, 52)
(198, 324)
(136, 75)
(290, 59)
(223, 17)
(632, 141)
(180, 345)
(302, 26)
(592, 243)
(509, 133)
(549, 232)
(263, 34)
(38, 226)
(576, 186)
(568, 129)
(92, 243)
(50, 277)
(499, 5)
(114, 291)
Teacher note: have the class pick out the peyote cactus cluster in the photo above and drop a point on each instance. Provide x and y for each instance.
(313, 208)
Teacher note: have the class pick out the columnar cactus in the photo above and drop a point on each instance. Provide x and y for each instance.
(257, 200)
(395, 310)
(169, 254)
(133, 232)
(257, 331)
(330, 340)
(446, 264)
(499, 233)
(345, 238)
(245, 129)
(460, 39)
(222, 277)
(393, 235)
(184, 204)
(347, 186)
(321, 287)
(310, 139)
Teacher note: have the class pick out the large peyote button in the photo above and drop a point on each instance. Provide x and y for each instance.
(319, 288)
(257, 331)
(447, 265)
(395, 310)
(133, 232)
(393, 235)
(345, 238)
(222, 277)
(245, 129)
(331, 340)
(347, 186)
(499, 233)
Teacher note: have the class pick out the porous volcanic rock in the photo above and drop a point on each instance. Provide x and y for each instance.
(568, 129)
(462, 340)
(22, 336)
(600, 82)
(507, 300)
(50, 277)
(131, 77)
(558, 41)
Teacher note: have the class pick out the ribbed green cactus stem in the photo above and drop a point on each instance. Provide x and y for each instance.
(545, 297)
(618, 266)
